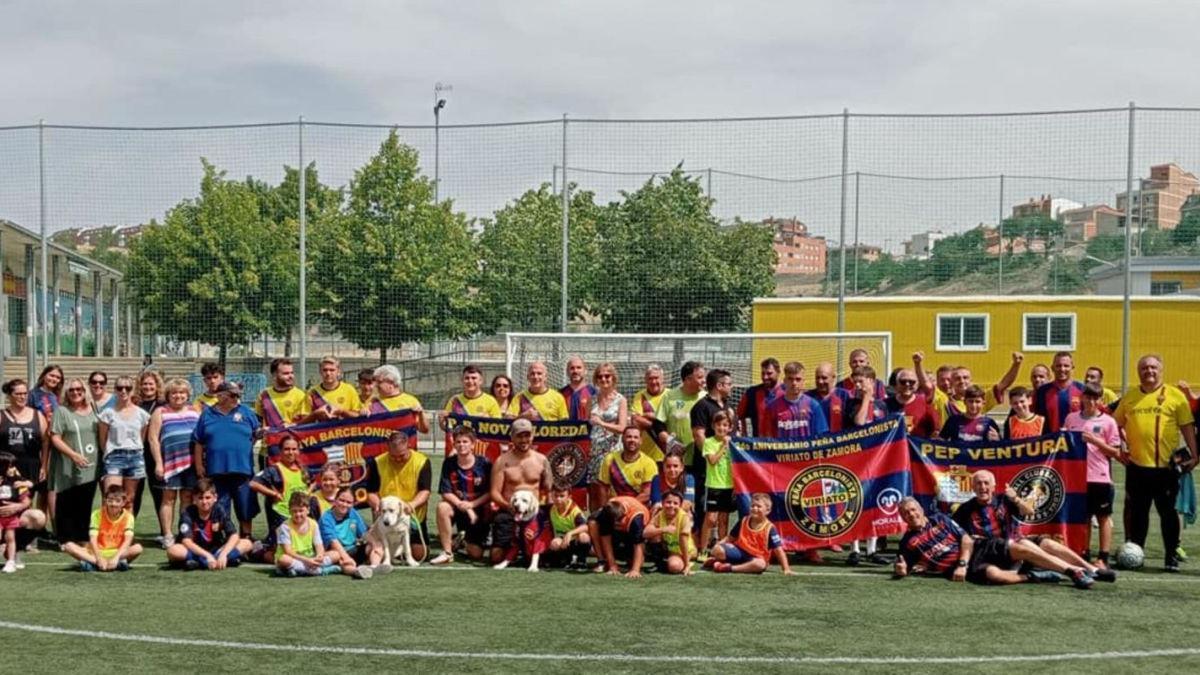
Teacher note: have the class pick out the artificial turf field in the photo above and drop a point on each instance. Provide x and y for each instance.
(470, 619)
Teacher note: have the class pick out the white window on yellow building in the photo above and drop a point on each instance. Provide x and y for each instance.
(962, 332)
(1048, 332)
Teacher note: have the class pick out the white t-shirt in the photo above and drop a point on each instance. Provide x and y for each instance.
(124, 432)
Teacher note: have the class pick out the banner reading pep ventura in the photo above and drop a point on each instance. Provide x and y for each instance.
(829, 489)
(1048, 472)
(349, 441)
(567, 445)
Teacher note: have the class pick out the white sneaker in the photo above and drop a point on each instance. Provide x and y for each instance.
(168, 540)
(10, 566)
(442, 558)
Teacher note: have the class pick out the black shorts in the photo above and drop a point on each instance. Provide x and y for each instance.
(502, 529)
(475, 533)
(987, 552)
(1100, 499)
(719, 500)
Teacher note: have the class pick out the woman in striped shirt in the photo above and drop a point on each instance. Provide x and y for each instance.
(170, 436)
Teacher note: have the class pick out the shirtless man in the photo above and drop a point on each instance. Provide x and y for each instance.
(520, 468)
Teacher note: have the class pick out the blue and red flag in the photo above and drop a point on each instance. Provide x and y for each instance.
(1047, 472)
(828, 489)
(566, 444)
(348, 441)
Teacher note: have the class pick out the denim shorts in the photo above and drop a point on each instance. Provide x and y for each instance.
(181, 481)
(125, 463)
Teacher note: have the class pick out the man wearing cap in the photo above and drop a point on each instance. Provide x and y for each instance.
(222, 449)
(522, 468)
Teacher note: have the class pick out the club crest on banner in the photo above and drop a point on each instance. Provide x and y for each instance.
(568, 462)
(824, 500)
(1042, 488)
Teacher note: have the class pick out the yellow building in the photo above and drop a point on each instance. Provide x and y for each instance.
(982, 332)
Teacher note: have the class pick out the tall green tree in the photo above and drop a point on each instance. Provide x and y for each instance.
(520, 250)
(280, 203)
(394, 266)
(216, 270)
(665, 264)
(1187, 233)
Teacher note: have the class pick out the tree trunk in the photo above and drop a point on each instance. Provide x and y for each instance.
(221, 355)
(382, 355)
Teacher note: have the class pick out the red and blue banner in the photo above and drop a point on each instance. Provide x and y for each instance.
(829, 489)
(566, 444)
(1048, 472)
(349, 442)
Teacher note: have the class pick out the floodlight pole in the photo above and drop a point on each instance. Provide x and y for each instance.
(438, 104)
(1127, 306)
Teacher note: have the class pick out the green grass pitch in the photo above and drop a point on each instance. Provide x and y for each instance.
(828, 612)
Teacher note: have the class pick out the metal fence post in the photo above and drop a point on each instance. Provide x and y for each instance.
(857, 253)
(841, 311)
(1000, 232)
(303, 309)
(566, 215)
(45, 299)
(1126, 310)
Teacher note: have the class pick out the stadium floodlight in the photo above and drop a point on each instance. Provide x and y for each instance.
(438, 104)
(739, 353)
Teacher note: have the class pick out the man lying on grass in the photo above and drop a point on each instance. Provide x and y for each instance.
(936, 545)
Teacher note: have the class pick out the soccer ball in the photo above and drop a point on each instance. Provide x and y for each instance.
(1130, 556)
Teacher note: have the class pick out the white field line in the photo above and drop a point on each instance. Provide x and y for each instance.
(577, 657)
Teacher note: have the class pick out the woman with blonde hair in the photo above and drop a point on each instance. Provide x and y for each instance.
(609, 417)
(170, 439)
(74, 464)
(122, 433)
(149, 396)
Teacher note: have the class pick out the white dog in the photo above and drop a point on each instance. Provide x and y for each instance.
(532, 529)
(392, 532)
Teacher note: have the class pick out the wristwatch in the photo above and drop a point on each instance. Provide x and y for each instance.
(962, 563)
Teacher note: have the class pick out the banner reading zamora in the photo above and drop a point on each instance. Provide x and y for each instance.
(829, 489)
(1048, 472)
(348, 441)
(567, 445)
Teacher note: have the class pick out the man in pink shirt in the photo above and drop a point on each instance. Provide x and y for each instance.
(1104, 445)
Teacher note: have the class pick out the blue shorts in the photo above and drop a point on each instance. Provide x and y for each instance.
(181, 481)
(234, 558)
(234, 489)
(735, 555)
(125, 464)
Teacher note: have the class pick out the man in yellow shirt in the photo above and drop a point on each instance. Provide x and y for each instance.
(641, 410)
(473, 400)
(407, 474)
(283, 403)
(627, 473)
(1153, 418)
(389, 396)
(331, 398)
(538, 401)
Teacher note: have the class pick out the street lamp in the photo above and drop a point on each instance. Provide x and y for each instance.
(438, 104)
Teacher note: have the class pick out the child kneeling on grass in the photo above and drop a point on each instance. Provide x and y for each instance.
(299, 550)
(670, 533)
(751, 543)
(208, 537)
(569, 547)
(110, 537)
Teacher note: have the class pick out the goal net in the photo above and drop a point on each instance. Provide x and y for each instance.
(739, 353)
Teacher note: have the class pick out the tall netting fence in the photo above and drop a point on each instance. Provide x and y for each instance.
(967, 236)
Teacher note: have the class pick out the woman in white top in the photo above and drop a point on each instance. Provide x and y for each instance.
(122, 433)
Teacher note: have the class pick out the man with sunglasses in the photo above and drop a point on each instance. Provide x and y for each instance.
(918, 413)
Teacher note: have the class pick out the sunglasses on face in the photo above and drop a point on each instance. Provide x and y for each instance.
(75, 390)
(123, 387)
(98, 383)
(907, 383)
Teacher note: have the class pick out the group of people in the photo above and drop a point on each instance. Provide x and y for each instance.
(659, 483)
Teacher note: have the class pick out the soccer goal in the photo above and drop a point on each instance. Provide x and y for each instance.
(739, 353)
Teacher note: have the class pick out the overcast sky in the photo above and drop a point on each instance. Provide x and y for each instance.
(172, 63)
(183, 63)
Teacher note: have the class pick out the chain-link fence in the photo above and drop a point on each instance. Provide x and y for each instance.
(190, 241)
